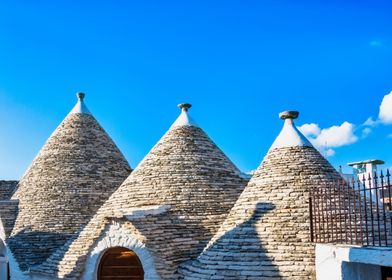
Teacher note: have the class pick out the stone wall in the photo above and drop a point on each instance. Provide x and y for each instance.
(7, 189)
(266, 235)
(8, 214)
(8, 207)
(78, 168)
(185, 172)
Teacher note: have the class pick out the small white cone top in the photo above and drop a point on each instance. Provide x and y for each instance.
(290, 136)
(184, 119)
(80, 107)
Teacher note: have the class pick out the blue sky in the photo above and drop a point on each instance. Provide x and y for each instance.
(238, 62)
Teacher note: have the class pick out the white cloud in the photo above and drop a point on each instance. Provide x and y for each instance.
(385, 114)
(337, 136)
(328, 138)
(310, 129)
(366, 131)
(370, 122)
(328, 152)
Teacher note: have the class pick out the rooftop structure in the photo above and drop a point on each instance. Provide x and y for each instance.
(266, 234)
(166, 210)
(74, 173)
(365, 167)
(187, 212)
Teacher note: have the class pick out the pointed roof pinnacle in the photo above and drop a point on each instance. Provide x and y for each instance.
(290, 136)
(289, 115)
(80, 95)
(80, 107)
(184, 106)
(184, 119)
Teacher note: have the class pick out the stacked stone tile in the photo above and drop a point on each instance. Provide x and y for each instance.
(172, 204)
(7, 189)
(8, 207)
(266, 235)
(78, 168)
(8, 214)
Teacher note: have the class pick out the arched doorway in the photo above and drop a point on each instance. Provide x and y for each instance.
(120, 263)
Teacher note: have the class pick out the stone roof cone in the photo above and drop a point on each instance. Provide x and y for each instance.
(168, 208)
(77, 169)
(266, 235)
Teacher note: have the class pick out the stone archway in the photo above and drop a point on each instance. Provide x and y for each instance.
(120, 263)
(117, 235)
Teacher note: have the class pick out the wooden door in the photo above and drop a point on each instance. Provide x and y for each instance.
(386, 273)
(120, 263)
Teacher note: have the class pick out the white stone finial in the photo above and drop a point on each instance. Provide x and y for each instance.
(289, 115)
(80, 96)
(184, 119)
(80, 107)
(184, 106)
(290, 136)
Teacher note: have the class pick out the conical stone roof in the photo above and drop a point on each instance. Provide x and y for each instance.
(266, 235)
(172, 204)
(77, 169)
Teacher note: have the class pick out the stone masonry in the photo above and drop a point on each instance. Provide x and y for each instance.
(8, 207)
(185, 210)
(7, 189)
(266, 235)
(191, 185)
(75, 172)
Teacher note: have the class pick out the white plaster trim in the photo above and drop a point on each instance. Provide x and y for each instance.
(2, 231)
(184, 120)
(144, 211)
(290, 136)
(368, 255)
(342, 262)
(118, 236)
(80, 108)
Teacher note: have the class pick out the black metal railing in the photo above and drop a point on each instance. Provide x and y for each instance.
(352, 211)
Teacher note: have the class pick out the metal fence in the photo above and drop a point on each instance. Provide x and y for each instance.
(354, 212)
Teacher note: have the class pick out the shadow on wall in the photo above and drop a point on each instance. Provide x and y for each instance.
(237, 254)
(27, 246)
(173, 241)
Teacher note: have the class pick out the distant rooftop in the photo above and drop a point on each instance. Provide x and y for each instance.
(374, 161)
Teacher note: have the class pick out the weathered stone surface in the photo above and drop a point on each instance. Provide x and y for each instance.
(266, 235)
(7, 189)
(186, 172)
(78, 168)
(8, 207)
(8, 214)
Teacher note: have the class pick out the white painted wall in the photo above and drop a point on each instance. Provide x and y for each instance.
(338, 262)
